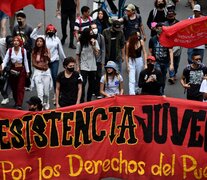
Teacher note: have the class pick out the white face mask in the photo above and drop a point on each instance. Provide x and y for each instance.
(95, 31)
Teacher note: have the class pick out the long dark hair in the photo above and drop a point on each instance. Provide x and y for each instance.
(37, 49)
(156, 3)
(132, 41)
(105, 19)
(85, 37)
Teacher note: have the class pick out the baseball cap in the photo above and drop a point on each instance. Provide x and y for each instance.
(151, 58)
(197, 7)
(34, 100)
(116, 25)
(130, 7)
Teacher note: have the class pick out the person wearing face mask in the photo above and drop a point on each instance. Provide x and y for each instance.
(86, 53)
(68, 85)
(199, 49)
(115, 43)
(163, 55)
(100, 58)
(157, 15)
(55, 47)
(192, 78)
(24, 30)
(150, 79)
(177, 50)
(135, 50)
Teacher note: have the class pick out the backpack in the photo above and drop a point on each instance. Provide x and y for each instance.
(155, 12)
(8, 66)
(80, 22)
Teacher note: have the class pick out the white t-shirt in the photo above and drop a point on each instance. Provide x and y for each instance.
(113, 85)
(87, 57)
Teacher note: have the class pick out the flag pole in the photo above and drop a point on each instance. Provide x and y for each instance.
(45, 22)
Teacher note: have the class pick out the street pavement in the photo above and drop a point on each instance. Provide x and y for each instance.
(36, 16)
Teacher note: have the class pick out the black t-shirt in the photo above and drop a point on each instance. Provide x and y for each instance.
(68, 5)
(151, 88)
(194, 77)
(113, 46)
(161, 53)
(131, 25)
(68, 88)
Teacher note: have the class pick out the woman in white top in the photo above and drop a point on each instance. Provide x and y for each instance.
(16, 62)
(55, 47)
(111, 82)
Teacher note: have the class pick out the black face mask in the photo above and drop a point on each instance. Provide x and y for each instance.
(20, 23)
(150, 66)
(50, 34)
(161, 6)
(70, 69)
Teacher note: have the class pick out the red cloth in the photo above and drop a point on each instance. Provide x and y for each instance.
(187, 33)
(11, 6)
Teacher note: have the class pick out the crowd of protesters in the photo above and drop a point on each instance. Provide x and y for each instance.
(101, 48)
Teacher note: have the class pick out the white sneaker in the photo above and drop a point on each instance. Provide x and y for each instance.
(46, 106)
(5, 101)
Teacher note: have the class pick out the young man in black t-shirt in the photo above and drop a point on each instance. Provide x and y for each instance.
(192, 78)
(68, 85)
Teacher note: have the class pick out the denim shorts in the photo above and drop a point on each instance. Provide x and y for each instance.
(3, 16)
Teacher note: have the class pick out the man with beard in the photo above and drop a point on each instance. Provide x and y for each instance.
(150, 79)
(24, 30)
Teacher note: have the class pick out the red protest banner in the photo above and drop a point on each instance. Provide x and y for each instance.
(150, 137)
(187, 33)
(11, 6)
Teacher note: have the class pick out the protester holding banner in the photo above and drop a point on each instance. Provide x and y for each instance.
(199, 49)
(150, 79)
(135, 50)
(86, 52)
(15, 61)
(177, 50)
(24, 30)
(158, 14)
(163, 55)
(192, 78)
(111, 82)
(55, 48)
(68, 85)
(42, 76)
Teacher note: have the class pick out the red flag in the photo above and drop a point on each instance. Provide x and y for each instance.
(188, 33)
(11, 6)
